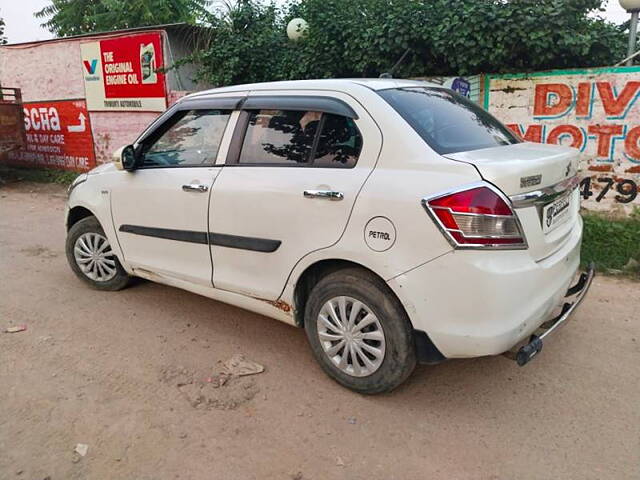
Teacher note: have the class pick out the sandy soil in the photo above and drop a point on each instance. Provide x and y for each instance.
(135, 376)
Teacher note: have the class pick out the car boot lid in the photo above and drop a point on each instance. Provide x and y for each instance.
(522, 167)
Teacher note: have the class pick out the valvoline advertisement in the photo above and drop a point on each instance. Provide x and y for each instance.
(125, 73)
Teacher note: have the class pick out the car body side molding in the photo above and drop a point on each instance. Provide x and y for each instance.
(223, 240)
(244, 243)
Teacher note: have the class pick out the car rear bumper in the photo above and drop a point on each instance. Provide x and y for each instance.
(578, 291)
(477, 303)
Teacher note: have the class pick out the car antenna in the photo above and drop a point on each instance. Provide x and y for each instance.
(389, 74)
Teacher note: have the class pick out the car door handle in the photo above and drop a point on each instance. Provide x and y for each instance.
(195, 187)
(326, 194)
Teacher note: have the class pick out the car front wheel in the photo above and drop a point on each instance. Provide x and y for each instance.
(91, 258)
(359, 332)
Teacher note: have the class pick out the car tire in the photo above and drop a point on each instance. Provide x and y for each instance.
(391, 333)
(90, 256)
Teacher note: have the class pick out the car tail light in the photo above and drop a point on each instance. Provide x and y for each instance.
(477, 217)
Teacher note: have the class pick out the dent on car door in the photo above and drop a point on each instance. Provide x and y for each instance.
(160, 209)
(290, 182)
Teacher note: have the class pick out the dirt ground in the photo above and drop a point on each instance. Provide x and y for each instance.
(128, 373)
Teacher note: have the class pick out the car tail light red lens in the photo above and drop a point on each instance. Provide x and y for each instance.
(478, 217)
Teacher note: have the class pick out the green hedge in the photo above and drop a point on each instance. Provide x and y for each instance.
(40, 175)
(611, 243)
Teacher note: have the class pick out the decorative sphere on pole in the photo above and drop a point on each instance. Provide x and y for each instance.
(630, 5)
(633, 7)
(296, 29)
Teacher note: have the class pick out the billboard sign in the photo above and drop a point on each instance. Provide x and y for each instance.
(592, 110)
(121, 73)
(58, 135)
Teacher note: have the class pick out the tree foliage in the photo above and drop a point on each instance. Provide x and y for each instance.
(246, 39)
(3, 39)
(245, 43)
(360, 38)
(75, 17)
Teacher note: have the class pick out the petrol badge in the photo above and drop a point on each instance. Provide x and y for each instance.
(379, 234)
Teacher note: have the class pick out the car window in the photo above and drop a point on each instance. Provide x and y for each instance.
(339, 144)
(279, 137)
(448, 122)
(193, 139)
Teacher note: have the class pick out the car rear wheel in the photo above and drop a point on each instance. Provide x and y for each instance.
(91, 258)
(359, 332)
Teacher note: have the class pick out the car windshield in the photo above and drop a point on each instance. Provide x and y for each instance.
(448, 122)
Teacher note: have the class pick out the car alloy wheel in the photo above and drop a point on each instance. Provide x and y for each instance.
(93, 254)
(351, 336)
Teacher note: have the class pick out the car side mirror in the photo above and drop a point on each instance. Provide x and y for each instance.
(125, 158)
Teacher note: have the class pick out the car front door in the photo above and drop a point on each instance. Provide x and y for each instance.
(160, 210)
(295, 166)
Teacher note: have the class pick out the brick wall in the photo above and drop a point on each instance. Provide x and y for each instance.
(46, 71)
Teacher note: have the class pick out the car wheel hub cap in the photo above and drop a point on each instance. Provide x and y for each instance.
(351, 336)
(94, 256)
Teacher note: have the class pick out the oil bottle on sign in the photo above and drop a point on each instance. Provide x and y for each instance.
(148, 63)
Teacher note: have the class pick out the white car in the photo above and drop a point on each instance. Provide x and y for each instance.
(394, 220)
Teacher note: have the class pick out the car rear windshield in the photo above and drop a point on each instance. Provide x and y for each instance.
(448, 122)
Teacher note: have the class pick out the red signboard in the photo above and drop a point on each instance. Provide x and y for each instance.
(58, 135)
(124, 73)
(129, 67)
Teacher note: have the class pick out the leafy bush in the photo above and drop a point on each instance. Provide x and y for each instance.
(39, 175)
(364, 38)
(611, 243)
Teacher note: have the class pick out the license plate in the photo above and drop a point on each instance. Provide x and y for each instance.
(556, 213)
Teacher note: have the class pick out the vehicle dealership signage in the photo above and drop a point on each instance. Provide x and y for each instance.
(122, 73)
(58, 135)
(595, 111)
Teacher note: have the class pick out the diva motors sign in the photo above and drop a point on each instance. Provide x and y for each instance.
(122, 73)
(58, 135)
(595, 111)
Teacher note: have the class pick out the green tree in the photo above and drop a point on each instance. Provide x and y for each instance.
(359, 38)
(3, 39)
(75, 17)
(520, 35)
(246, 43)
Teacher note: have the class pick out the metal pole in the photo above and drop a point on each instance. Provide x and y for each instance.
(624, 60)
(633, 28)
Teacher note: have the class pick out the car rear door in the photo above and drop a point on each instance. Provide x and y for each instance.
(160, 210)
(294, 169)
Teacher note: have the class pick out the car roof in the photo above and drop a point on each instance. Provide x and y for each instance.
(339, 84)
